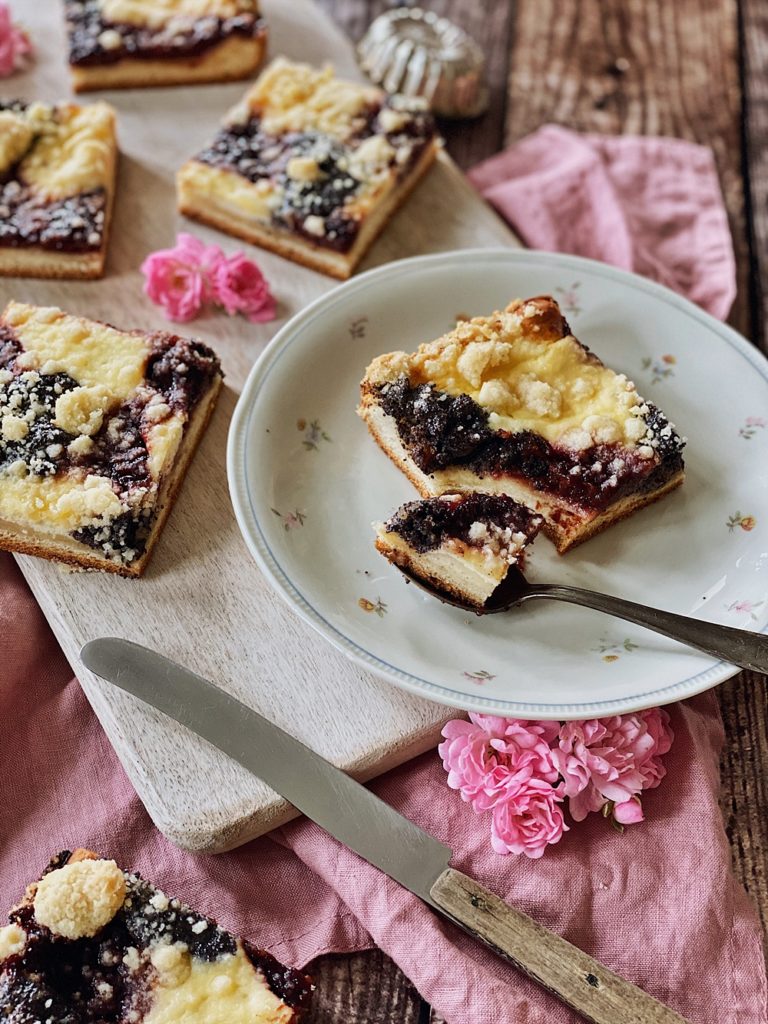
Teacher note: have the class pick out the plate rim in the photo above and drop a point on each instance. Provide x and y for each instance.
(717, 672)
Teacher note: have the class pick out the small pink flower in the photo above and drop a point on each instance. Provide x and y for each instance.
(241, 287)
(488, 758)
(629, 813)
(177, 279)
(756, 421)
(611, 759)
(15, 45)
(191, 275)
(528, 821)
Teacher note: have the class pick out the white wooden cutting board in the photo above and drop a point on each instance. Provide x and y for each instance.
(203, 601)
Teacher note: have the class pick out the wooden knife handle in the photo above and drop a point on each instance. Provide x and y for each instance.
(590, 989)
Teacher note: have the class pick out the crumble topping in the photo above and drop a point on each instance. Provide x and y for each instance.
(12, 941)
(77, 900)
(56, 164)
(526, 381)
(317, 153)
(90, 420)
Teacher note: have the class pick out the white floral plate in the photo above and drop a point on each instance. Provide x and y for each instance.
(307, 481)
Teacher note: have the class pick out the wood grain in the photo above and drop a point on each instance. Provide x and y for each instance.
(637, 66)
(586, 986)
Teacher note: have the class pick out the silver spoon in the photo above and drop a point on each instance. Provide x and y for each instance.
(736, 646)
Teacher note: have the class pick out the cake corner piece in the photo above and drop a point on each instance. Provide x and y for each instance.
(111, 941)
(310, 166)
(97, 429)
(459, 545)
(512, 403)
(58, 163)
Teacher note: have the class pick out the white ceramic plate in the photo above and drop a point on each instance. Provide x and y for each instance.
(307, 481)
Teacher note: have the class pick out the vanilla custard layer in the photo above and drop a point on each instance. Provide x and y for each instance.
(554, 388)
(225, 991)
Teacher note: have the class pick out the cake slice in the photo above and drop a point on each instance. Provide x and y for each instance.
(97, 427)
(57, 187)
(310, 166)
(513, 404)
(125, 44)
(92, 944)
(462, 544)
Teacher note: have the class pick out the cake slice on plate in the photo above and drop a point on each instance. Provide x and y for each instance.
(513, 404)
(92, 944)
(125, 44)
(97, 427)
(462, 544)
(57, 187)
(310, 166)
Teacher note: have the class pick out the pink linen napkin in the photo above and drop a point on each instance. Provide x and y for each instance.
(651, 205)
(659, 904)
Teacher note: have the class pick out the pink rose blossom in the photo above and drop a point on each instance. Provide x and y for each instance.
(756, 421)
(191, 275)
(611, 759)
(628, 813)
(528, 821)
(15, 45)
(241, 287)
(488, 758)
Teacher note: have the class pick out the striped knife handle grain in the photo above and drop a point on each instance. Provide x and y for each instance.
(583, 984)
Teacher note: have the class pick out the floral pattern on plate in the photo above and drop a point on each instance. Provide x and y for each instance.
(291, 520)
(660, 369)
(612, 649)
(480, 676)
(313, 434)
(751, 426)
(745, 522)
(376, 607)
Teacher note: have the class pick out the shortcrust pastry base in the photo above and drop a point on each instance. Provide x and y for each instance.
(228, 61)
(566, 525)
(81, 556)
(202, 207)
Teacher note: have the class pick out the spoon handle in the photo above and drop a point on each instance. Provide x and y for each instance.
(736, 646)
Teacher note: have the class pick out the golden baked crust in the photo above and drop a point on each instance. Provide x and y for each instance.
(97, 427)
(58, 161)
(553, 427)
(348, 156)
(117, 947)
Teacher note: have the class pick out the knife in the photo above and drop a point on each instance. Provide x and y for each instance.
(374, 830)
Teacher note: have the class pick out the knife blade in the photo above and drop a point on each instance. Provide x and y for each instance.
(374, 830)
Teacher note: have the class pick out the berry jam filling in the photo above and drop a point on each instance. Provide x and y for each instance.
(95, 41)
(181, 369)
(257, 155)
(31, 398)
(441, 430)
(75, 224)
(104, 979)
(425, 525)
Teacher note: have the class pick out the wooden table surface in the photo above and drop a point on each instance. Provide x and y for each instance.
(695, 69)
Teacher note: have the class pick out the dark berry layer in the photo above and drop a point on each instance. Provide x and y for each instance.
(74, 225)
(427, 524)
(90, 981)
(441, 430)
(256, 155)
(190, 38)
